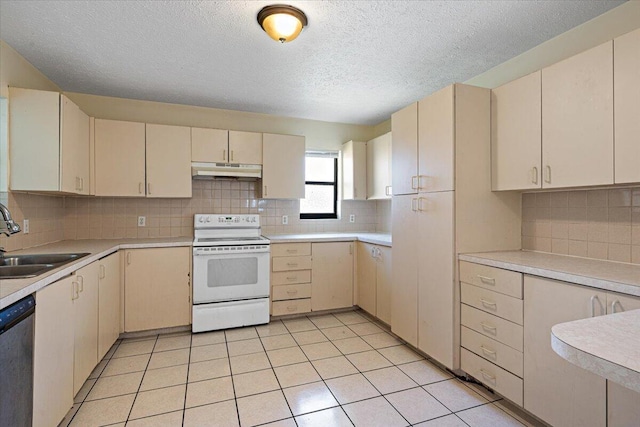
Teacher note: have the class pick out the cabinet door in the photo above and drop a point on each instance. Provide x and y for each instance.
(245, 147)
(555, 390)
(436, 141)
(283, 166)
(168, 161)
(331, 275)
(379, 167)
(85, 308)
(577, 120)
(626, 69)
(435, 276)
(34, 126)
(404, 149)
(74, 148)
(383, 284)
(157, 293)
(404, 299)
(119, 158)
(623, 405)
(354, 170)
(53, 353)
(209, 145)
(108, 303)
(516, 134)
(366, 274)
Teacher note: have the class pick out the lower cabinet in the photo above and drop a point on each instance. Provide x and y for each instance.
(558, 392)
(53, 353)
(331, 275)
(374, 280)
(157, 288)
(108, 303)
(85, 307)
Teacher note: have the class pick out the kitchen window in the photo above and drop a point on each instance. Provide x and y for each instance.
(321, 186)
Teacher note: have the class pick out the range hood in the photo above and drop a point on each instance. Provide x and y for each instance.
(226, 171)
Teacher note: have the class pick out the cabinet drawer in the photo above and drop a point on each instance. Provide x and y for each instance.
(499, 280)
(286, 292)
(294, 306)
(290, 249)
(291, 277)
(492, 326)
(289, 263)
(492, 350)
(493, 376)
(492, 302)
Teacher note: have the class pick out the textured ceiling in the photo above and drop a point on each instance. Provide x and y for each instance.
(356, 62)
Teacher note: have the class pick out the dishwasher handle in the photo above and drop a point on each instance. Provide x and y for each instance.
(15, 313)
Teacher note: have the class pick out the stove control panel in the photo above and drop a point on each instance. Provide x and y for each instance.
(226, 221)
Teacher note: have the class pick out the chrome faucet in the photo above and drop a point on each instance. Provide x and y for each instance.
(7, 226)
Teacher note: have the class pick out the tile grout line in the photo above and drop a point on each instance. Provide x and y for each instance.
(142, 379)
(186, 387)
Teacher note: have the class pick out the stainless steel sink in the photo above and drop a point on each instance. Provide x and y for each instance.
(23, 266)
(23, 271)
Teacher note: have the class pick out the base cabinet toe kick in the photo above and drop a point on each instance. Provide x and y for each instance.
(506, 322)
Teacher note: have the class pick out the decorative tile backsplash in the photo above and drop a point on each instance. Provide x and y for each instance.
(602, 224)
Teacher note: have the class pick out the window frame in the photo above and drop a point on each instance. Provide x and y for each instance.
(333, 215)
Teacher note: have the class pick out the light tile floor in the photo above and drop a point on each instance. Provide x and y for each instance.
(340, 369)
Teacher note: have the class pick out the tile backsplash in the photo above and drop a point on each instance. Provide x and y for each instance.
(602, 224)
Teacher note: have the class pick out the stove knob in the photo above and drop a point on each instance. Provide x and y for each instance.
(201, 220)
(208, 219)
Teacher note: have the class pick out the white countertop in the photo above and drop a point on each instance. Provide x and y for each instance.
(608, 346)
(12, 290)
(383, 239)
(607, 275)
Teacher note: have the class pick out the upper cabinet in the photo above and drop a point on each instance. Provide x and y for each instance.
(119, 158)
(283, 170)
(577, 120)
(50, 135)
(168, 155)
(516, 134)
(404, 147)
(379, 167)
(626, 91)
(354, 170)
(217, 145)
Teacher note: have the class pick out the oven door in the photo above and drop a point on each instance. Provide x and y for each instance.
(229, 276)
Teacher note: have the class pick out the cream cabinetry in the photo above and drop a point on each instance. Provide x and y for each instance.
(168, 161)
(404, 148)
(332, 275)
(157, 293)
(626, 95)
(451, 211)
(373, 275)
(354, 170)
(379, 170)
(283, 159)
(85, 306)
(516, 134)
(119, 158)
(290, 278)
(578, 396)
(218, 145)
(53, 353)
(50, 134)
(108, 302)
(577, 120)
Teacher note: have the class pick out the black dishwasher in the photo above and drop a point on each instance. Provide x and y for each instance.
(16, 363)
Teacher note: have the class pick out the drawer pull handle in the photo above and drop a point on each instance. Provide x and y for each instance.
(487, 280)
(593, 299)
(292, 292)
(292, 251)
(292, 264)
(489, 304)
(291, 308)
(292, 277)
(613, 306)
(487, 352)
(489, 328)
(487, 376)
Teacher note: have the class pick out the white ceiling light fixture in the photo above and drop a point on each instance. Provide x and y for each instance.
(281, 22)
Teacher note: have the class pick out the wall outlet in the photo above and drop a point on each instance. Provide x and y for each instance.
(142, 221)
(25, 226)
(285, 219)
(352, 218)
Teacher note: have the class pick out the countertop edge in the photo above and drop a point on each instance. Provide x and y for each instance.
(373, 238)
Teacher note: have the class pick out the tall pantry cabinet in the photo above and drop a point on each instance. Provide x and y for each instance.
(443, 206)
